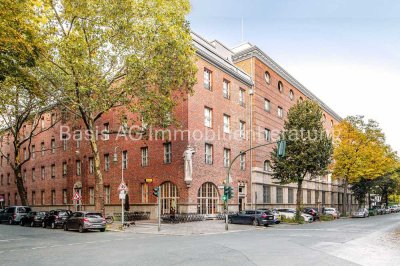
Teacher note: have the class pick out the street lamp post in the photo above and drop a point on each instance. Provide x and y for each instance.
(115, 159)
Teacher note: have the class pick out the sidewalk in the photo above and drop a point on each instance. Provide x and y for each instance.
(191, 228)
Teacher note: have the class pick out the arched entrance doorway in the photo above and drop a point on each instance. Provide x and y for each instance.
(208, 199)
(169, 197)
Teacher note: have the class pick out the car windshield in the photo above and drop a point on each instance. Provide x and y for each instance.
(63, 213)
(329, 209)
(93, 215)
(360, 210)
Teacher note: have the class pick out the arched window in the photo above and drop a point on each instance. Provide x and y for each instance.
(324, 118)
(331, 123)
(267, 77)
(169, 197)
(280, 86)
(207, 199)
(301, 99)
(291, 95)
(267, 166)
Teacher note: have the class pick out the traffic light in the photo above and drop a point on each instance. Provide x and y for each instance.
(156, 191)
(281, 151)
(230, 192)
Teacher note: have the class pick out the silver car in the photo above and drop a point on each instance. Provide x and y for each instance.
(13, 214)
(83, 221)
(360, 213)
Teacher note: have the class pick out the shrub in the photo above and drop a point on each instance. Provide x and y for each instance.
(293, 220)
(372, 212)
(325, 217)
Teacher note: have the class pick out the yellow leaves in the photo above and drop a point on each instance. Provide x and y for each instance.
(360, 151)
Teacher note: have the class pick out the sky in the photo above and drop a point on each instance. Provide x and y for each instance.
(347, 52)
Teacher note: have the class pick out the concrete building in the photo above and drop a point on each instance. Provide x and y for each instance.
(238, 92)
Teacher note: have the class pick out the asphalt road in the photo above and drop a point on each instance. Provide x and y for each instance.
(370, 241)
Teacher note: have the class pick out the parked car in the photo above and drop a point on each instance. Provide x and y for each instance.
(277, 216)
(379, 209)
(258, 217)
(313, 212)
(33, 218)
(393, 209)
(56, 218)
(13, 214)
(387, 210)
(360, 213)
(82, 221)
(291, 213)
(332, 211)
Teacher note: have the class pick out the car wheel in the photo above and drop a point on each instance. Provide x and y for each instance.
(10, 221)
(65, 227)
(21, 223)
(102, 230)
(43, 224)
(53, 225)
(81, 230)
(229, 221)
(256, 222)
(32, 224)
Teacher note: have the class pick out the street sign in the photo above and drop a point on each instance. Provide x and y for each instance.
(122, 195)
(77, 196)
(122, 187)
(149, 180)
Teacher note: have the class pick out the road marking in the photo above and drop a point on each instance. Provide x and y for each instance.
(12, 239)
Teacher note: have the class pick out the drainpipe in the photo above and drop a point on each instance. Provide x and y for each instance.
(252, 190)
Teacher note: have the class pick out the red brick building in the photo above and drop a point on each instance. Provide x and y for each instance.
(238, 92)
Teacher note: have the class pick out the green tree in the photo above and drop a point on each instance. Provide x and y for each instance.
(308, 148)
(104, 54)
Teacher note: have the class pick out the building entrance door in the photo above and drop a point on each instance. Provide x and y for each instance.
(241, 204)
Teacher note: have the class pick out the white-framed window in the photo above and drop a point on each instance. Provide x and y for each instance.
(227, 121)
(226, 89)
(33, 152)
(323, 118)
(280, 112)
(33, 198)
(267, 133)
(267, 166)
(24, 175)
(65, 142)
(53, 171)
(290, 195)
(25, 154)
(42, 123)
(207, 117)
(267, 105)
(266, 194)
(301, 99)
(208, 199)
(53, 146)
(91, 196)
(242, 97)
(107, 191)
(65, 169)
(33, 174)
(53, 119)
(331, 123)
(43, 172)
(279, 195)
(145, 193)
(242, 161)
(145, 156)
(42, 148)
(78, 168)
(65, 197)
(207, 79)
(78, 138)
(167, 153)
(280, 86)
(53, 197)
(267, 77)
(124, 160)
(208, 153)
(91, 165)
(42, 197)
(106, 162)
(227, 157)
(106, 131)
(242, 129)
(291, 95)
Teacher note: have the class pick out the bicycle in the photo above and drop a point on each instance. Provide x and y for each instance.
(109, 219)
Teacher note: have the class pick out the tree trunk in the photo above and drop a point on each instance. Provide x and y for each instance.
(345, 185)
(98, 176)
(299, 198)
(19, 178)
